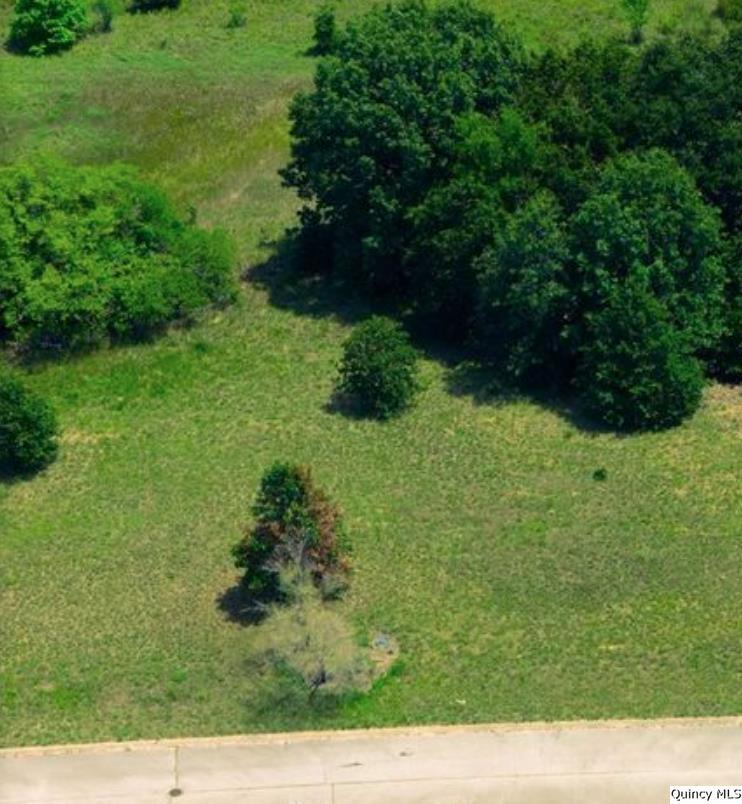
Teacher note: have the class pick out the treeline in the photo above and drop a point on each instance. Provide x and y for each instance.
(575, 216)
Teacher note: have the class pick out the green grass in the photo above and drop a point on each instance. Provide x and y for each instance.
(518, 586)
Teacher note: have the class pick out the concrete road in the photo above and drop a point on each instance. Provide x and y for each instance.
(598, 763)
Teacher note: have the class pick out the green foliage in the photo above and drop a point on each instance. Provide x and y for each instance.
(687, 96)
(92, 254)
(379, 127)
(39, 27)
(152, 5)
(28, 428)
(104, 13)
(637, 13)
(730, 11)
(583, 99)
(237, 14)
(637, 372)
(312, 640)
(379, 368)
(646, 221)
(325, 31)
(296, 527)
(497, 165)
(524, 298)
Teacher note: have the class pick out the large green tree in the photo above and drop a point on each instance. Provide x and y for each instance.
(379, 127)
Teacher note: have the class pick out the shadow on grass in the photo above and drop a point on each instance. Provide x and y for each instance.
(485, 385)
(315, 295)
(241, 607)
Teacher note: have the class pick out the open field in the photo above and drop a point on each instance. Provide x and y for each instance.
(518, 586)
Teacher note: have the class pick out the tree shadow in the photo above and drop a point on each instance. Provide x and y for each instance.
(313, 294)
(486, 385)
(240, 606)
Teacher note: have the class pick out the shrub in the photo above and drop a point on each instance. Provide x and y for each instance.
(325, 31)
(28, 428)
(313, 641)
(104, 12)
(296, 526)
(94, 253)
(647, 221)
(237, 15)
(637, 372)
(152, 5)
(637, 12)
(379, 368)
(378, 129)
(39, 27)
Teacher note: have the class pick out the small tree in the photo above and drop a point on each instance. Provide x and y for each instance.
(637, 12)
(325, 31)
(28, 428)
(39, 27)
(312, 640)
(103, 10)
(637, 372)
(379, 368)
(296, 526)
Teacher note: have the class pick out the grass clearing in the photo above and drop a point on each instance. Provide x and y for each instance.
(518, 586)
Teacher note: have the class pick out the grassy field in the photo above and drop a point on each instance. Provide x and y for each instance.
(518, 586)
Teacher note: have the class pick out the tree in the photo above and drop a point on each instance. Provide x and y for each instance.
(40, 27)
(637, 12)
(525, 301)
(636, 370)
(296, 526)
(582, 98)
(91, 254)
(378, 129)
(325, 31)
(28, 428)
(311, 640)
(646, 221)
(498, 164)
(379, 368)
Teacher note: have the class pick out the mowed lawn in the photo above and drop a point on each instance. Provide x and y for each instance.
(519, 586)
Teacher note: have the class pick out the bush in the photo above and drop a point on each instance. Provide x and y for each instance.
(325, 31)
(92, 254)
(104, 12)
(379, 368)
(378, 129)
(152, 5)
(39, 27)
(313, 641)
(296, 526)
(647, 221)
(637, 372)
(28, 428)
(237, 15)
